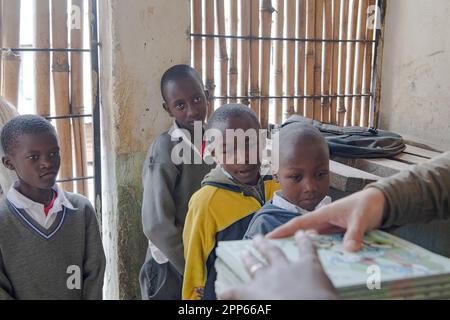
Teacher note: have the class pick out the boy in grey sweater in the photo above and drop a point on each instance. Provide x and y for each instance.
(173, 171)
(50, 244)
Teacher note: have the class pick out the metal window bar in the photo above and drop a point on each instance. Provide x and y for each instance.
(224, 36)
(94, 54)
(295, 97)
(45, 50)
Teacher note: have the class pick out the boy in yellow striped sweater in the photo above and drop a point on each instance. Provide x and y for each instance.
(230, 194)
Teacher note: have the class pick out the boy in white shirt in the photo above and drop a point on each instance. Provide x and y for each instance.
(50, 244)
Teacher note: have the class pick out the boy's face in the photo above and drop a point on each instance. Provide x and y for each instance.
(35, 159)
(303, 175)
(244, 164)
(186, 101)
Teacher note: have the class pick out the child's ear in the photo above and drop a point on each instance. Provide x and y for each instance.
(6, 160)
(166, 108)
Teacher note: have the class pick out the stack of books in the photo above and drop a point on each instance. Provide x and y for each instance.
(387, 267)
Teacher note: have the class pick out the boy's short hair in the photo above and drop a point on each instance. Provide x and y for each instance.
(229, 111)
(25, 124)
(177, 72)
(296, 131)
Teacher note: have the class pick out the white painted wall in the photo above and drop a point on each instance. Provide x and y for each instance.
(140, 39)
(416, 70)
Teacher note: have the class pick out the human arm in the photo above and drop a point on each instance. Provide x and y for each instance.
(417, 195)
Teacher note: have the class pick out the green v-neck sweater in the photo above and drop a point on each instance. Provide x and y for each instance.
(65, 262)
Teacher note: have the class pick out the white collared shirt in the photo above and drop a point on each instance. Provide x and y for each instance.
(36, 210)
(282, 203)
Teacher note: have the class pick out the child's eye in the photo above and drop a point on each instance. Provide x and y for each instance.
(180, 106)
(322, 174)
(296, 178)
(33, 157)
(54, 154)
(197, 99)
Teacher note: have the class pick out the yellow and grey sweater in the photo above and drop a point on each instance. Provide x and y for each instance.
(221, 210)
(64, 262)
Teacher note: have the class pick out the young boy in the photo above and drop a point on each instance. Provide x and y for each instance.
(50, 244)
(303, 174)
(222, 208)
(169, 183)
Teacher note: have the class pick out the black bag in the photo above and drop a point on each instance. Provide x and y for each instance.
(355, 142)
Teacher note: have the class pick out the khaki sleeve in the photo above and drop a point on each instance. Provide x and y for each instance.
(419, 195)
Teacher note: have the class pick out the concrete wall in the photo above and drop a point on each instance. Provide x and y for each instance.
(139, 39)
(416, 70)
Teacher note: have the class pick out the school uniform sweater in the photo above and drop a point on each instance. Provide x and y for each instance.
(167, 189)
(221, 210)
(275, 213)
(64, 262)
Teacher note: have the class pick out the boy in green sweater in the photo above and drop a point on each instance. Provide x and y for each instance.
(50, 244)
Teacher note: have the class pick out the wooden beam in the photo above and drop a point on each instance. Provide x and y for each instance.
(335, 60)
(348, 179)
(244, 61)
(375, 121)
(359, 62)
(1, 44)
(420, 143)
(289, 82)
(318, 67)
(351, 61)
(278, 58)
(254, 55)
(223, 53)
(342, 102)
(77, 101)
(378, 167)
(197, 41)
(233, 63)
(310, 57)
(420, 152)
(11, 60)
(209, 52)
(410, 159)
(60, 72)
(301, 49)
(42, 59)
(368, 64)
(327, 62)
(266, 46)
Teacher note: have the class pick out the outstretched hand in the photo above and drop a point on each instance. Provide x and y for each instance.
(282, 279)
(357, 214)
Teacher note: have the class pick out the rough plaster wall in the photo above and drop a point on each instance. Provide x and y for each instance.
(416, 70)
(140, 40)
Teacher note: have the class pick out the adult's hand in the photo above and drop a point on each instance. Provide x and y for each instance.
(281, 279)
(357, 214)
